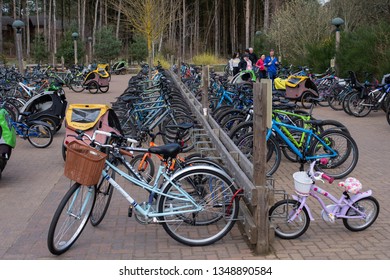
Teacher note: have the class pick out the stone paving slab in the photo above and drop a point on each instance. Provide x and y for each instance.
(33, 184)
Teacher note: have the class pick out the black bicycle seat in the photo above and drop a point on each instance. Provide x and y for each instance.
(169, 150)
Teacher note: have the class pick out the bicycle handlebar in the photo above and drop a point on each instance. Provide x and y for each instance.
(320, 175)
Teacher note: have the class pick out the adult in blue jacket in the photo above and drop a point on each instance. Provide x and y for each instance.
(272, 63)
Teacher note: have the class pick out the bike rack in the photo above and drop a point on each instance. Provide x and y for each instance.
(212, 139)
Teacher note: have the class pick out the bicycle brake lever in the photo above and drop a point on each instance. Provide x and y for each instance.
(318, 176)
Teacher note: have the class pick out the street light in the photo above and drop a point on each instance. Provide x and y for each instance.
(18, 25)
(75, 36)
(90, 49)
(337, 22)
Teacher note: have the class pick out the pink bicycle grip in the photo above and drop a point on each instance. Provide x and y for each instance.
(327, 178)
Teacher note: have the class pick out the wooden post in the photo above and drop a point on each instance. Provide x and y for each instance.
(261, 93)
(205, 98)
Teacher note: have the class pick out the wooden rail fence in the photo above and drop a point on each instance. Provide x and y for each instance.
(258, 192)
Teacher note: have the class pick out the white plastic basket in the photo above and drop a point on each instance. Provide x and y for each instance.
(302, 183)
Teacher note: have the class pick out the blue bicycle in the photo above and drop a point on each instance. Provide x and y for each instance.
(335, 145)
(38, 133)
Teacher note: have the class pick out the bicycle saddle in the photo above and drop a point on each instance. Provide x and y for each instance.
(183, 126)
(169, 150)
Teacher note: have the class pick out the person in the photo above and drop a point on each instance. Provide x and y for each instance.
(235, 63)
(246, 63)
(272, 63)
(262, 73)
(252, 56)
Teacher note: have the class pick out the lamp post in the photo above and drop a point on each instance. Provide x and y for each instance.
(90, 49)
(18, 25)
(75, 36)
(337, 22)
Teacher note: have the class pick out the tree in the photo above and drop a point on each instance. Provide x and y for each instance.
(148, 17)
(107, 46)
(38, 51)
(138, 49)
(297, 24)
(66, 49)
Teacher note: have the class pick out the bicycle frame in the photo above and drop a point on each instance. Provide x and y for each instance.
(340, 208)
(276, 127)
(155, 189)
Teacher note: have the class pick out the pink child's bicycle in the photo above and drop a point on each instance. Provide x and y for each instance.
(291, 217)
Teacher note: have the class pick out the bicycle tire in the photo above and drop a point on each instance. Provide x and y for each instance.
(365, 203)
(343, 164)
(68, 223)
(76, 84)
(104, 191)
(93, 87)
(147, 170)
(169, 134)
(219, 206)
(388, 114)
(356, 107)
(280, 213)
(273, 156)
(305, 99)
(238, 131)
(40, 136)
(51, 122)
(104, 89)
(335, 100)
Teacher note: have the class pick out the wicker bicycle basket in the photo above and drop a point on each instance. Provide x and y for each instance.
(84, 164)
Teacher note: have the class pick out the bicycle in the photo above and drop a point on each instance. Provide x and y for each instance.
(291, 217)
(334, 144)
(37, 132)
(196, 206)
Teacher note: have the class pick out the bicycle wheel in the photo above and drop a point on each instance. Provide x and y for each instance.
(214, 195)
(388, 115)
(241, 129)
(93, 87)
(370, 207)
(104, 192)
(347, 153)
(169, 133)
(273, 156)
(281, 212)
(104, 89)
(306, 99)
(70, 218)
(76, 84)
(39, 135)
(359, 107)
(145, 167)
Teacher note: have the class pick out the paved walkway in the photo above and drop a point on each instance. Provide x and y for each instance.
(33, 184)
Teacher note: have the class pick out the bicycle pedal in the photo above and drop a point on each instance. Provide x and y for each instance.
(130, 211)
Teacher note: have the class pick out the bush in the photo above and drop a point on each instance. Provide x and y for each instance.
(365, 50)
(319, 55)
(207, 59)
(164, 63)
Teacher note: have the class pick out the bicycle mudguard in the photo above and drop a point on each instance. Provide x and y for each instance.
(305, 206)
(354, 198)
(195, 167)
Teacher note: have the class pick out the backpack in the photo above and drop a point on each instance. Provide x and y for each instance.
(7, 132)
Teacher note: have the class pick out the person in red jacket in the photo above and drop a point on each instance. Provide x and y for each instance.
(262, 72)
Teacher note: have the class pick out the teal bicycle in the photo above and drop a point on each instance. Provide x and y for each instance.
(334, 144)
(196, 206)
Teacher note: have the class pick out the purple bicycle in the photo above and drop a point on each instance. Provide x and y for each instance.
(291, 217)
